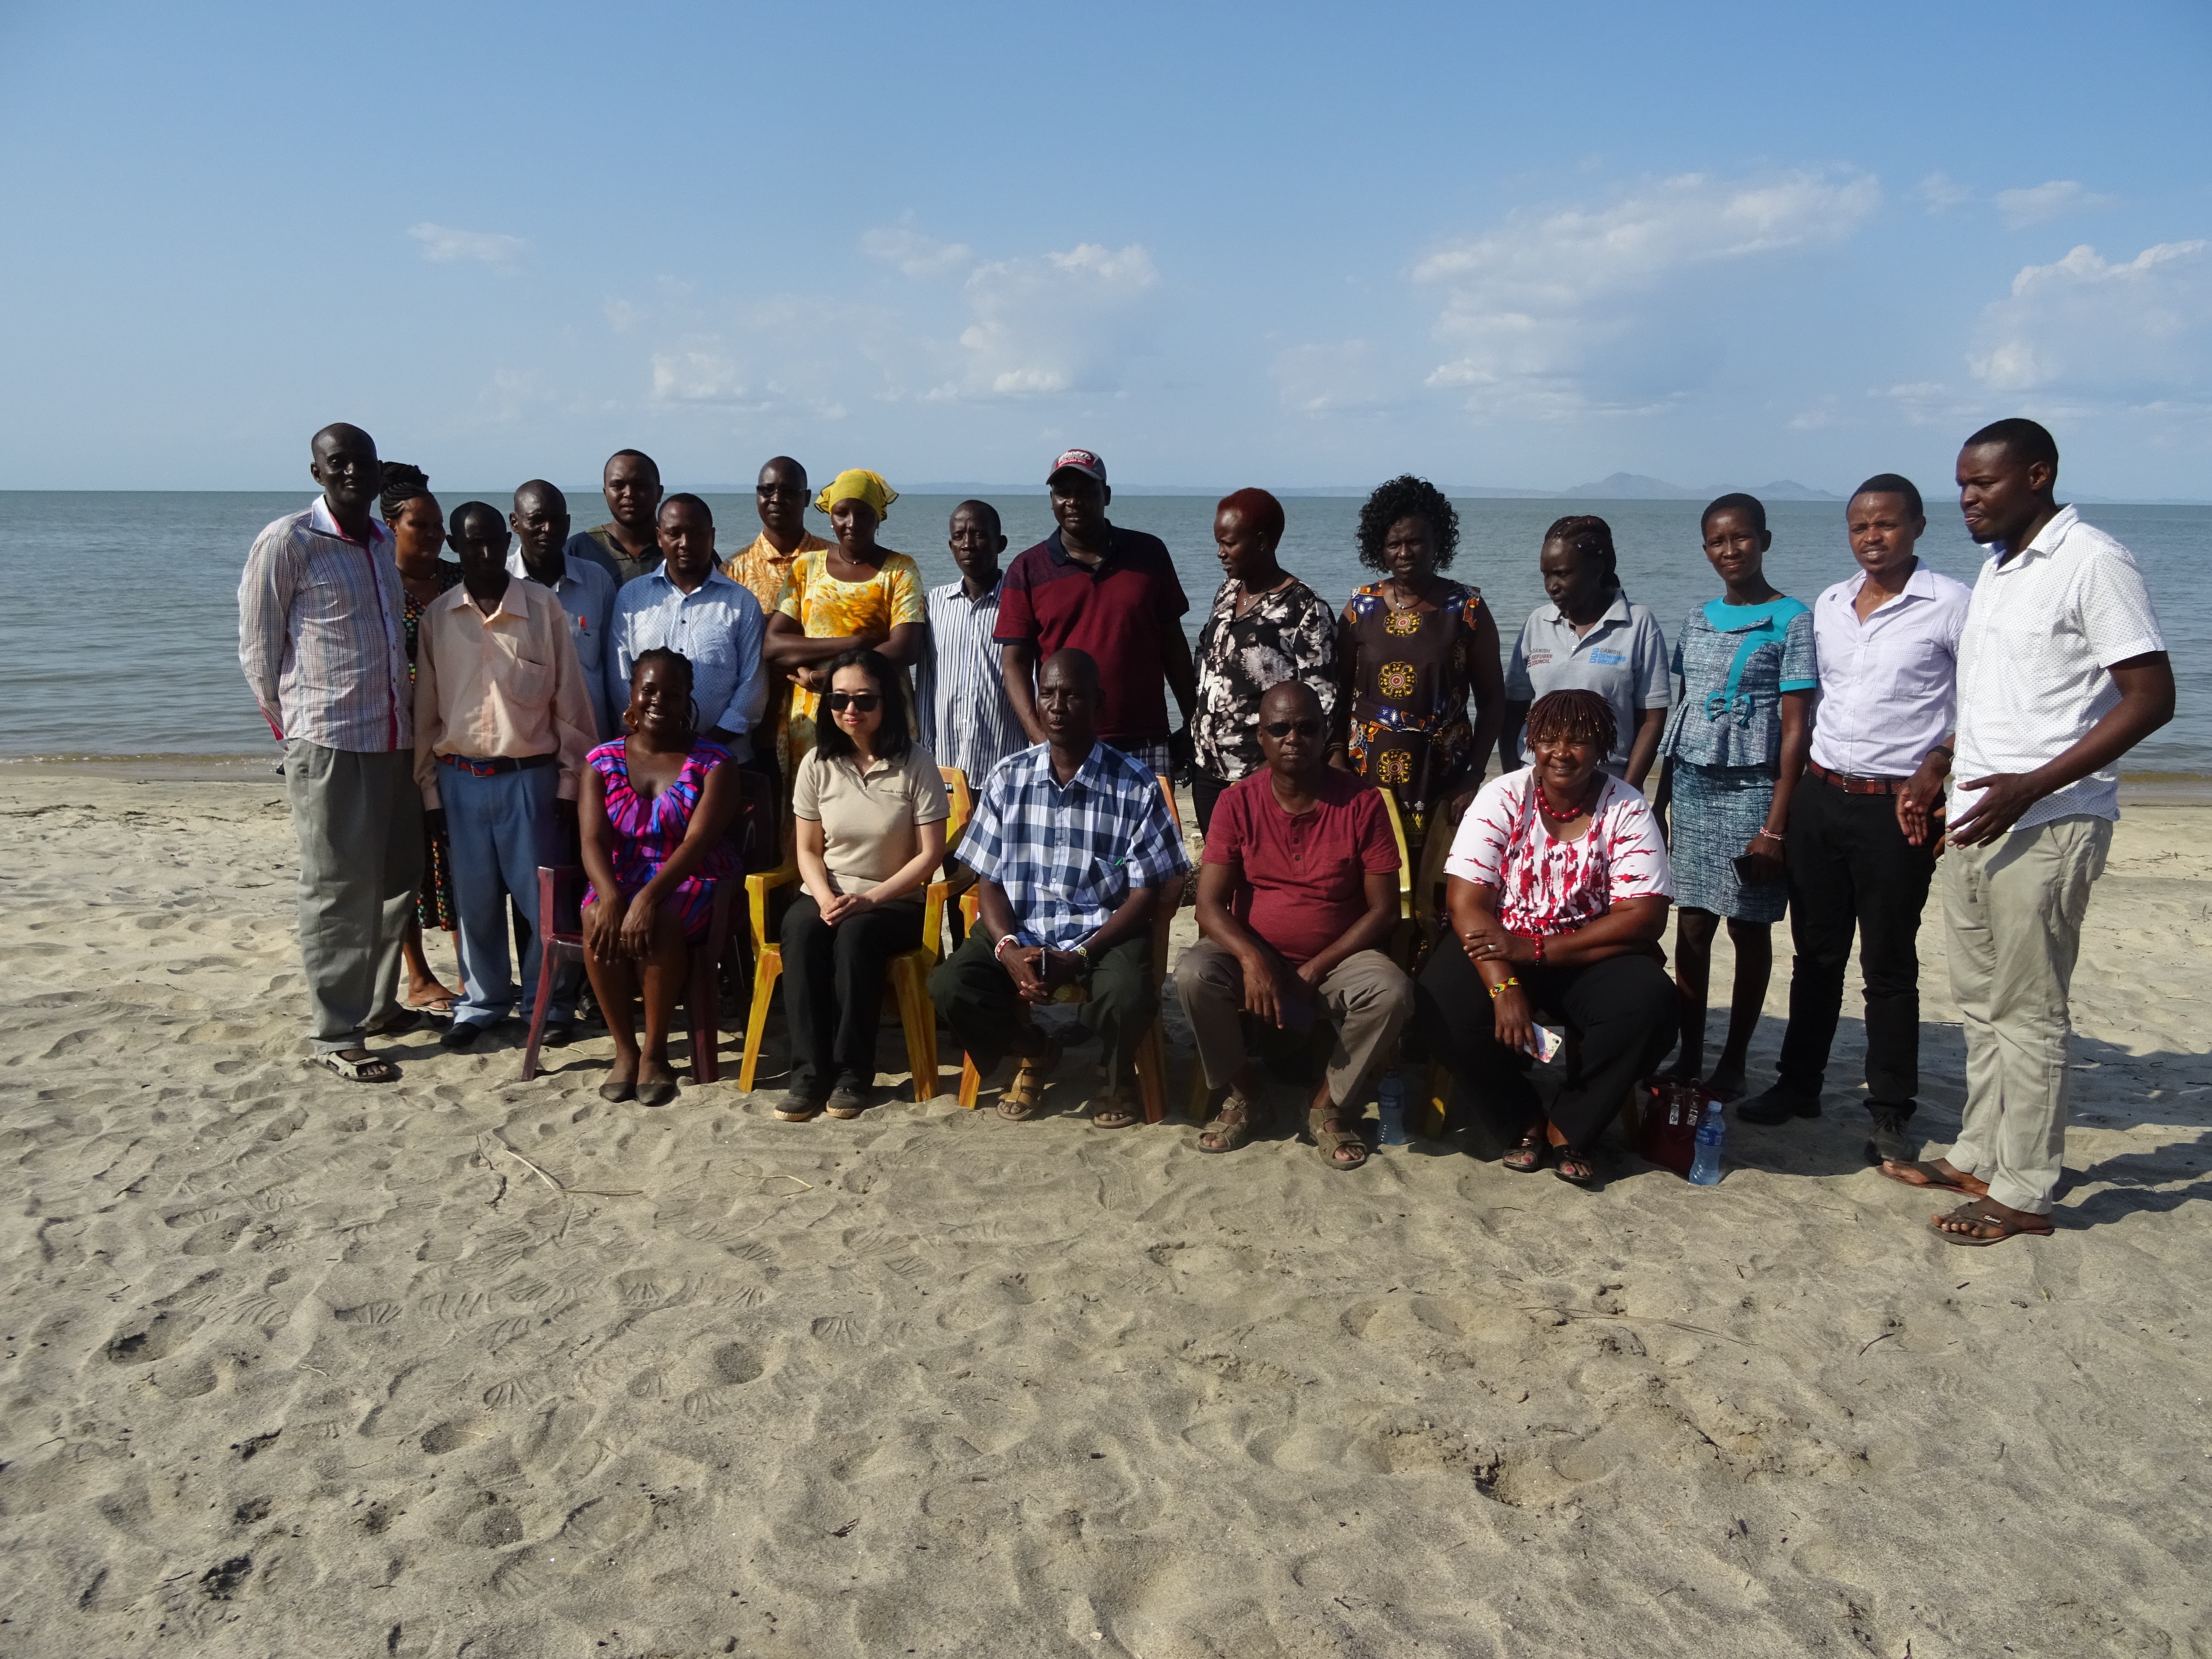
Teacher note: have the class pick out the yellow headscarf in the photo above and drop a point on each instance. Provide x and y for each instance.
(858, 483)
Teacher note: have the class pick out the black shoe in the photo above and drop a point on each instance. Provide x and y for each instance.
(850, 1099)
(1778, 1105)
(1889, 1140)
(558, 1034)
(798, 1104)
(461, 1034)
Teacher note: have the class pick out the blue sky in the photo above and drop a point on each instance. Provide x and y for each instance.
(1289, 245)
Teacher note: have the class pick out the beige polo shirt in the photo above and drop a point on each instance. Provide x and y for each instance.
(870, 822)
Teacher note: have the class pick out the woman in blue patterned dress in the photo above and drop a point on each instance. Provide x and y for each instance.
(1736, 746)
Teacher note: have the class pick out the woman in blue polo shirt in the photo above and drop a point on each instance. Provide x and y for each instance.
(1736, 744)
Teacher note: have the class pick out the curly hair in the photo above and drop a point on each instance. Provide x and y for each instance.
(1573, 716)
(1584, 532)
(1406, 497)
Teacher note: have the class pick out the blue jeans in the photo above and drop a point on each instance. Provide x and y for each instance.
(501, 830)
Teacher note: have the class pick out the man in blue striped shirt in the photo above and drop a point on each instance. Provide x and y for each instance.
(960, 687)
(1070, 843)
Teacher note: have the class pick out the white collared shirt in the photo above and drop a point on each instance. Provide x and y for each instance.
(1888, 683)
(1623, 659)
(2043, 632)
(717, 626)
(587, 592)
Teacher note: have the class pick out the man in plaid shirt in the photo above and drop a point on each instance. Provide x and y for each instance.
(1070, 842)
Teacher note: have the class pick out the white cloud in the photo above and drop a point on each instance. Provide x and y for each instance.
(1548, 312)
(697, 375)
(1327, 379)
(621, 316)
(1939, 192)
(914, 254)
(2137, 332)
(442, 243)
(2034, 206)
(1055, 323)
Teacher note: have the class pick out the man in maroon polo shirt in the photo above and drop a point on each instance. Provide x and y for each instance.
(1112, 593)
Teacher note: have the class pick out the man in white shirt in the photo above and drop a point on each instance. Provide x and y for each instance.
(1887, 641)
(2062, 671)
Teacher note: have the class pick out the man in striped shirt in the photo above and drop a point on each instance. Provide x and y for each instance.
(960, 686)
(322, 641)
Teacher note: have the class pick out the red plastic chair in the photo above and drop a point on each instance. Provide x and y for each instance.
(559, 894)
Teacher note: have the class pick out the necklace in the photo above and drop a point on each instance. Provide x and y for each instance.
(1574, 809)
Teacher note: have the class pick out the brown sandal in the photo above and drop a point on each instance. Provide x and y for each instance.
(1329, 1141)
(1228, 1133)
(1024, 1091)
(1984, 1214)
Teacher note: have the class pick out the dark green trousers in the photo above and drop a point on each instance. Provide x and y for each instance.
(977, 1000)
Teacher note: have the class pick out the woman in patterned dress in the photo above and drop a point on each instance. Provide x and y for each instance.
(1412, 649)
(1735, 746)
(418, 530)
(654, 808)
(1266, 626)
(854, 596)
(1558, 887)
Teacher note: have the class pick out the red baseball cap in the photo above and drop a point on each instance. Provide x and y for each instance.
(1081, 460)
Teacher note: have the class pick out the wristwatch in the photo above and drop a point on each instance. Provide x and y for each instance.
(1082, 954)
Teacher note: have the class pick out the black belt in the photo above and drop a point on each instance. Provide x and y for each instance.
(497, 765)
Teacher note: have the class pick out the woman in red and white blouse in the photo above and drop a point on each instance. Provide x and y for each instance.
(1558, 888)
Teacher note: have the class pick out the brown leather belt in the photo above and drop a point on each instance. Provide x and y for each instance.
(1852, 785)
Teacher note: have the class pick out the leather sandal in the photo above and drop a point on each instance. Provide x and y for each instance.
(1228, 1133)
(1330, 1140)
(1527, 1154)
(1024, 1091)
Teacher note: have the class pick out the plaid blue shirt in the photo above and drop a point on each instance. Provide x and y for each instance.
(1067, 858)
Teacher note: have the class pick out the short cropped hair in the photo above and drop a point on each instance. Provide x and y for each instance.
(1736, 502)
(1261, 510)
(685, 498)
(1894, 484)
(2027, 441)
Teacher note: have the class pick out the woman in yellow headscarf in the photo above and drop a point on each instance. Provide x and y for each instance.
(853, 594)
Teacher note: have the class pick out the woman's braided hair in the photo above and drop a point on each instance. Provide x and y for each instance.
(1574, 716)
(680, 666)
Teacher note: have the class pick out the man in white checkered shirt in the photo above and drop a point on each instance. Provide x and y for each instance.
(1071, 844)
(2062, 671)
(322, 640)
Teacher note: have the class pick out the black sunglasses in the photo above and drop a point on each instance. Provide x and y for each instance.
(1308, 728)
(860, 703)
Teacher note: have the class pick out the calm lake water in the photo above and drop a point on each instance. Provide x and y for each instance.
(152, 669)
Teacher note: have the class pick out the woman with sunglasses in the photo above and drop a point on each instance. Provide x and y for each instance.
(870, 809)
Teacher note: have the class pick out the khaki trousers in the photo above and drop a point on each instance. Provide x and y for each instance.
(2014, 910)
(1368, 998)
(359, 819)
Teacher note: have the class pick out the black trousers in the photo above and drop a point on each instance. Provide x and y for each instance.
(833, 986)
(1851, 867)
(978, 1000)
(1205, 792)
(1623, 1012)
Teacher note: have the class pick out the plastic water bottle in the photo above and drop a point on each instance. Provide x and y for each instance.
(1390, 1103)
(1706, 1168)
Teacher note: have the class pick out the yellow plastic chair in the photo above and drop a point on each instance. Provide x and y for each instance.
(909, 971)
(1152, 1059)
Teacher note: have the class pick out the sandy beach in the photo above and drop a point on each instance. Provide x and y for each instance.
(463, 1366)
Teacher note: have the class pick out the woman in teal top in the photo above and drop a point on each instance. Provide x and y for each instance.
(1736, 744)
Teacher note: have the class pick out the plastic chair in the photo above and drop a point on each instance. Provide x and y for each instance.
(1152, 1057)
(909, 971)
(559, 892)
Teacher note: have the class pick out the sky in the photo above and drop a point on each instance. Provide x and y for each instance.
(1288, 245)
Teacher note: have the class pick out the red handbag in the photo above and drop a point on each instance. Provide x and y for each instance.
(1671, 1112)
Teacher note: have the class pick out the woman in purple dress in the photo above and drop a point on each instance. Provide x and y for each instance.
(654, 809)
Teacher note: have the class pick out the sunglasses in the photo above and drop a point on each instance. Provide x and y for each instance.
(1308, 728)
(860, 703)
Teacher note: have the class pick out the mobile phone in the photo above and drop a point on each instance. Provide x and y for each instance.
(1750, 871)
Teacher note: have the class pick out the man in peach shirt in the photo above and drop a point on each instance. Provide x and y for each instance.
(502, 723)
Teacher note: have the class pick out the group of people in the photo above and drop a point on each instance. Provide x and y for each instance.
(614, 697)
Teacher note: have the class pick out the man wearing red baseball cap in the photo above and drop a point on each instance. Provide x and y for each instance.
(1112, 593)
